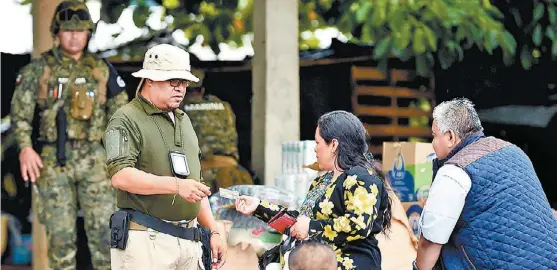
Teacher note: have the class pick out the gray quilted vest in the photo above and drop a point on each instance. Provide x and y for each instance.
(506, 222)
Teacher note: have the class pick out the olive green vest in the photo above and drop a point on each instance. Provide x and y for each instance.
(153, 158)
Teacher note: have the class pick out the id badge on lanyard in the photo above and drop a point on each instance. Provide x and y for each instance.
(179, 164)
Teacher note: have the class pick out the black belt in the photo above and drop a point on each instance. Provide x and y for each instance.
(192, 234)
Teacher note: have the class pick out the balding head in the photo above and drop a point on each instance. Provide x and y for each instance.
(312, 256)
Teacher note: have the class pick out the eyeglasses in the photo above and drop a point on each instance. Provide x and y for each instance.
(67, 15)
(178, 82)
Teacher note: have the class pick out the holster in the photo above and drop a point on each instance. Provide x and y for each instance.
(119, 229)
(206, 246)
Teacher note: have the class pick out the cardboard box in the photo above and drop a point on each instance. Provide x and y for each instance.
(409, 168)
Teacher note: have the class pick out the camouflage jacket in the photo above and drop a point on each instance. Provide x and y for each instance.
(82, 88)
(215, 125)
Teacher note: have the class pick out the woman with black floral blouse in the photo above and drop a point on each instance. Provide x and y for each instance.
(348, 205)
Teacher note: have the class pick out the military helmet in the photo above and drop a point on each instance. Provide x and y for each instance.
(71, 15)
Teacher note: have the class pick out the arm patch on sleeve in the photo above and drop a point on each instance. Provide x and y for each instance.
(113, 140)
(18, 79)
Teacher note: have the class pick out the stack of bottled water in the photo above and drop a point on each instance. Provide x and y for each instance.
(294, 178)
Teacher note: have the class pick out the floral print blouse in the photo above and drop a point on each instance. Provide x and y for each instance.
(347, 216)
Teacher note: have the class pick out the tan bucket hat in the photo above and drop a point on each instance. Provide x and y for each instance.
(164, 62)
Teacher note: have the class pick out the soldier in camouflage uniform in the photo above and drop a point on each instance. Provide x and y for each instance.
(215, 125)
(74, 93)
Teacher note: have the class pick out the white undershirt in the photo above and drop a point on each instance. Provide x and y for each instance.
(445, 202)
(171, 114)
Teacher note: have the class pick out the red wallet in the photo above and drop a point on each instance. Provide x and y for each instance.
(281, 221)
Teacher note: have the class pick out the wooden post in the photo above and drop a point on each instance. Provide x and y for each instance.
(42, 11)
(40, 246)
(276, 84)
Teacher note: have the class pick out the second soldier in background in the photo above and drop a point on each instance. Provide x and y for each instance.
(215, 125)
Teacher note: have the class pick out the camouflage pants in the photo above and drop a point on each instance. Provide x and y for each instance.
(83, 180)
(226, 176)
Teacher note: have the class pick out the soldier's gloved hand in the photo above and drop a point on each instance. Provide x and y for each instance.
(192, 191)
(30, 164)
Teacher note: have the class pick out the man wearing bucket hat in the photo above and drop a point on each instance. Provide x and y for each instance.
(153, 161)
(215, 125)
(71, 94)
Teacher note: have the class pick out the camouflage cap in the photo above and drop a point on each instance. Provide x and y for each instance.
(71, 15)
(199, 74)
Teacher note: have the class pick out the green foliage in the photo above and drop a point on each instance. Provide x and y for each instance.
(429, 31)
(218, 21)
(538, 35)
(112, 9)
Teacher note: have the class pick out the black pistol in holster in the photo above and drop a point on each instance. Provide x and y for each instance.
(119, 229)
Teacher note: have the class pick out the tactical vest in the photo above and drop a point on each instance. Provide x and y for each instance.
(80, 88)
(213, 122)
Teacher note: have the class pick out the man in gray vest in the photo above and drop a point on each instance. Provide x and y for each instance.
(486, 208)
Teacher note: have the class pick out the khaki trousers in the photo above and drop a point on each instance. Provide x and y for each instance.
(151, 250)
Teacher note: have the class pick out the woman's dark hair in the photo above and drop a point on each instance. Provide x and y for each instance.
(353, 150)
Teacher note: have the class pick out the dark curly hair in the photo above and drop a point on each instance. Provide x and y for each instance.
(353, 150)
